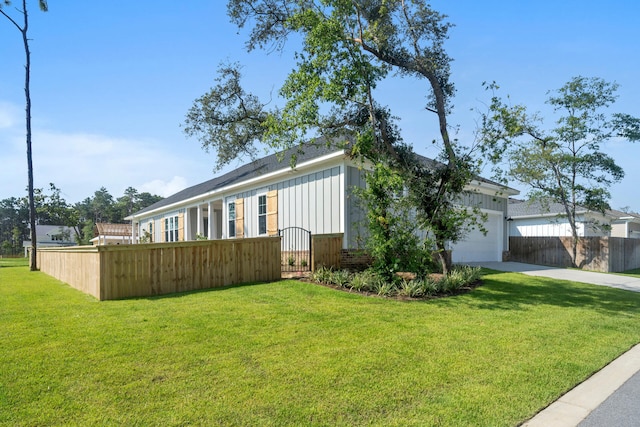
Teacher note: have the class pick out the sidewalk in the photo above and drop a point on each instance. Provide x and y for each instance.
(609, 397)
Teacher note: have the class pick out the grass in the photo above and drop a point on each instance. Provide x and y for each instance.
(14, 262)
(635, 272)
(293, 353)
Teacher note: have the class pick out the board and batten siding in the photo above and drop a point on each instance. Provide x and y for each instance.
(313, 202)
(355, 222)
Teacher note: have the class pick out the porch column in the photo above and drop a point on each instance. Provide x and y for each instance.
(216, 232)
(134, 229)
(187, 222)
(199, 229)
(210, 223)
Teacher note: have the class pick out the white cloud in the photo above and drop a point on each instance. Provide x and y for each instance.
(81, 163)
(162, 188)
(9, 114)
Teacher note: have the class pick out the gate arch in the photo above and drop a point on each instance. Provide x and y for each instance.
(295, 249)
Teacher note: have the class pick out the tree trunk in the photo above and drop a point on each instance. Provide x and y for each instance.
(27, 93)
(445, 261)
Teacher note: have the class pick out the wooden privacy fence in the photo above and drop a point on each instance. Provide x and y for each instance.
(326, 250)
(606, 254)
(124, 271)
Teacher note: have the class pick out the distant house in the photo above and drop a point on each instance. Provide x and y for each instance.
(625, 225)
(50, 236)
(112, 234)
(267, 195)
(534, 219)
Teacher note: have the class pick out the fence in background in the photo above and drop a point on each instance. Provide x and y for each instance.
(606, 254)
(124, 271)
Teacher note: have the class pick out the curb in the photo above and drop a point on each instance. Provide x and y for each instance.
(573, 407)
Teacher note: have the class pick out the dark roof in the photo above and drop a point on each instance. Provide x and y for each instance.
(248, 171)
(264, 166)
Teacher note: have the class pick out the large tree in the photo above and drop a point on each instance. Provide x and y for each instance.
(347, 48)
(567, 163)
(24, 28)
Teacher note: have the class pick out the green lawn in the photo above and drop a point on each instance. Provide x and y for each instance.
(292, 353)
(634, 272)
(14, 262)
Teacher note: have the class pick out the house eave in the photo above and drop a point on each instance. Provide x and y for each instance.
(233, 187)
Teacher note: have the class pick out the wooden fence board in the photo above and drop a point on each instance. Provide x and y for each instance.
(606, 254)
(326, 250)
(114, 272)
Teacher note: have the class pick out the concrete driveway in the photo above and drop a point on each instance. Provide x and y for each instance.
(592, 277)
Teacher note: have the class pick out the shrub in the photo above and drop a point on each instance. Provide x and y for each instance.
(412, 288)
(459, 277)
(340, 278)
(322, 275)
(372, 281)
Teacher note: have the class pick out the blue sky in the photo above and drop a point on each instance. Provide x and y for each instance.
(112, 82)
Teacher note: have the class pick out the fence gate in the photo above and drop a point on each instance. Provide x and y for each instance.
(296, 249)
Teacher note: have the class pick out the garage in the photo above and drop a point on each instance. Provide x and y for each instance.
(480, 248)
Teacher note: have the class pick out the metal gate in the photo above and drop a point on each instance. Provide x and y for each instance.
(295, 249)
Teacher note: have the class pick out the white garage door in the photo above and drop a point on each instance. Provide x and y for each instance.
(477, 247)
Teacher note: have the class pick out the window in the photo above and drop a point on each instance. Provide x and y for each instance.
(262, 214)
(171, 229)
(232, 219)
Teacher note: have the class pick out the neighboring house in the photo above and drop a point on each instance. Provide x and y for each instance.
(112, 234)
(533, 219)
(266, 195)
(51, 236)
(625, 225)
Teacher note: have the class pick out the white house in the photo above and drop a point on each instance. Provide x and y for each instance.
(266, 195)
(50, 236)
(625, 225)
(533, 219)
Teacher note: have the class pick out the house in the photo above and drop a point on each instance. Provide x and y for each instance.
(536, 219)
(625, 225)
(267, 195)
(51, 236)
(111, 234)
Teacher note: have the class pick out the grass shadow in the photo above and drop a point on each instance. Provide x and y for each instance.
(175, 295)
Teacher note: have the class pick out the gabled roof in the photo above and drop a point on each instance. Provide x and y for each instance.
(268, 164)
(626, 216)
(108, 229)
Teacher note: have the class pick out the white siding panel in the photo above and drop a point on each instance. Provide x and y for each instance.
(312, 202)
(336, 202)
(326, 202)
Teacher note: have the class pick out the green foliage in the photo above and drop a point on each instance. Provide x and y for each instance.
(372, 281)
(53, 209)
(566, 164)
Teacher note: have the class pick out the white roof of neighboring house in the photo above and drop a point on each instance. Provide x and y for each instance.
(520, 209)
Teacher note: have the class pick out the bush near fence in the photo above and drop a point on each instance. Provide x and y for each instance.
(605, 254)
(124, 271)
